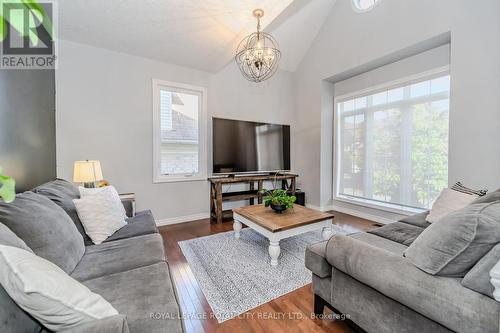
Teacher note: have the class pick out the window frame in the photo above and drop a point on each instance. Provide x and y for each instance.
(354, 4)
(158, 177)
(405, 81)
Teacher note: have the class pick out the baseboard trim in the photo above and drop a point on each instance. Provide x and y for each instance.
(182, 219)
(353, 212)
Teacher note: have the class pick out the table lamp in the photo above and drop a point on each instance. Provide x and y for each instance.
(87, 172)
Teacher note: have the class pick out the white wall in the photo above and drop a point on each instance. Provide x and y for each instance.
(104, 112)
(349, 40)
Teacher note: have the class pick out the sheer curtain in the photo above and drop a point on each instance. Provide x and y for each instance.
(392, 142)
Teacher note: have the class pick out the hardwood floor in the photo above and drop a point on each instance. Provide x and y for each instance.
(288, 313)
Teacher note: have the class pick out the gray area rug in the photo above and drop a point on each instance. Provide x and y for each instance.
(235, 274)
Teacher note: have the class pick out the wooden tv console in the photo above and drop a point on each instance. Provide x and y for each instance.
(217, 196)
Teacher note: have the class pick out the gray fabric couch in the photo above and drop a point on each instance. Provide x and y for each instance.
(129, 270)
(366, 276)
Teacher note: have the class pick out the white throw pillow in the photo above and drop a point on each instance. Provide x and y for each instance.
(102, 214)
(46, 292)
(447, 202)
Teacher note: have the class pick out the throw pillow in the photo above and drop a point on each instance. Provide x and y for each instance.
(449, 201)
(45, 228)
(478, 278)
(102, 214)
(452, 246)
(47, 293)
(62, 193)
(84, 192)
(490, 197)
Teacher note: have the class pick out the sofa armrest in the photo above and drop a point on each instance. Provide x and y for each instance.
(315, 260)
(113, 324)
(442, 299)
(128, 202)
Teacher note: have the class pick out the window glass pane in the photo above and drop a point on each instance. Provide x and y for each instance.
(348, 105)
(420, 89)
(380, 98)
(179, 114)
(396, 152)
(360, 103)
(440, 84)
(394, 95)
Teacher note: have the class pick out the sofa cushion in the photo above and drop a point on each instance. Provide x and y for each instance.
(143, 223)
(315, 260)
(12, 317)
(62, 193)
(398, 232)
(58, 188)
(478, 278)
(441, 299)
(7, 237)
(145, 295)
(45, 291)
(45, 228)
(419, 220)
(453, 245)
(119, 256)
(380, 242)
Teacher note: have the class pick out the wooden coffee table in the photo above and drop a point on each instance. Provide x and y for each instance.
(275, 227)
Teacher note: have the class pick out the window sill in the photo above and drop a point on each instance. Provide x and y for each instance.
(386, 207)
(160, 180)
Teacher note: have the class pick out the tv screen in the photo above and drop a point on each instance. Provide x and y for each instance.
(245, 146)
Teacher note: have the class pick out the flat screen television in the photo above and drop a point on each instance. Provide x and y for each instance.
(249, 147)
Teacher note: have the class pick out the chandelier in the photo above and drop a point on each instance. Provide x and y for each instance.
(257, 54)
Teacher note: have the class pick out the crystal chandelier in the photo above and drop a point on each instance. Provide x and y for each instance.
(257, 54)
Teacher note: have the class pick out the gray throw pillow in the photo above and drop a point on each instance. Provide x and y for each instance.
(62, 193)
(478, 278)
(45, 228)
(418, 220)
(451, 246)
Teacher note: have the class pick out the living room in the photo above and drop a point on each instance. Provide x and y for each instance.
(249, 165)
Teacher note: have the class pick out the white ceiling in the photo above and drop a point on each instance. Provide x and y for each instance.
(201, 34)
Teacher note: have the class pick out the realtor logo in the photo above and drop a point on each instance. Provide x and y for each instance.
(27, 34)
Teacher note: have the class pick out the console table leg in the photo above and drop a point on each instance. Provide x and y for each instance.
(218, 203)
(237, 228)
(274, 252)
(327, 231)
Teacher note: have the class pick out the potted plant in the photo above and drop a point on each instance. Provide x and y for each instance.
(7, 188)
(278, 200)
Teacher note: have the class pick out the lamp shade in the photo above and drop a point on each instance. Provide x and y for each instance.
(87, 171)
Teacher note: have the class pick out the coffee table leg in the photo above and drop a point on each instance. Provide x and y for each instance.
(327, 231)
(237, 228)
(274, 252)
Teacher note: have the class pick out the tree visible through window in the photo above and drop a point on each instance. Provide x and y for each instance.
(393, 144)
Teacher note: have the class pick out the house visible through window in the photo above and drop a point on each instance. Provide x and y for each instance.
(392, 143)
(178, 139)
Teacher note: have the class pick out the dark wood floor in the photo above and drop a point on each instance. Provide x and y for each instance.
(288, 313)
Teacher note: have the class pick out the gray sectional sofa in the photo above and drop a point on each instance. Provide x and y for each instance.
(366, 276)
(129, 270)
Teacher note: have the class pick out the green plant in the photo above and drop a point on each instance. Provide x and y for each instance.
(7, 188)
(278, 197)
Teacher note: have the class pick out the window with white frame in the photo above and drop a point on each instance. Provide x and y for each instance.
(179, 138)
(392, 143)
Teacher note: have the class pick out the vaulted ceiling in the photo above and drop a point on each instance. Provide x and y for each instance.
(201, 34)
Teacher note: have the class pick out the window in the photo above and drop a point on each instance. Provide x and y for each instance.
(392, 143)
(179, 132)
(364, 5)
